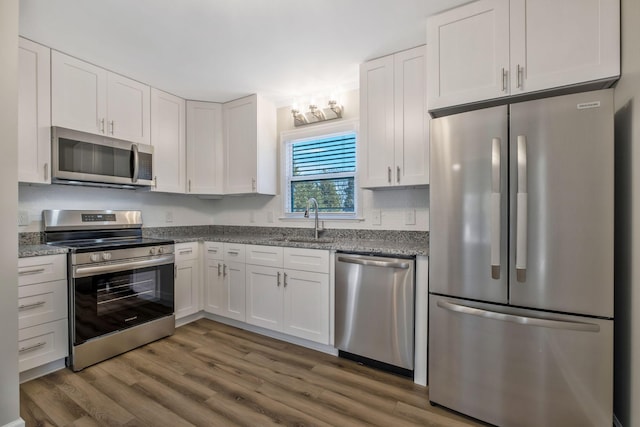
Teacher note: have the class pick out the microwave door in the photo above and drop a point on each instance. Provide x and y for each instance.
(136, 163)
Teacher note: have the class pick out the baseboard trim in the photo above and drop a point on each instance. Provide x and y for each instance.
(17, 423)
(39, 371)
(273, 334)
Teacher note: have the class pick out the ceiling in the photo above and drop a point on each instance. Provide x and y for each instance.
(219, 50)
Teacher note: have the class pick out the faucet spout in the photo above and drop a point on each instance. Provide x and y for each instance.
(314, 202)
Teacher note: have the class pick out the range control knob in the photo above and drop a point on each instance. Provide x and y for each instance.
(106, 256)
(152, 251)
(161, 250)
(95, 257)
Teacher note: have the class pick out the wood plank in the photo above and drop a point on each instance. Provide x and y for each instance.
(192, 411)
(52, 401)
(97, 404)
(209, 374)
(145, 409)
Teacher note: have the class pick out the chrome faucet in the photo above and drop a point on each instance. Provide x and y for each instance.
(313, 201)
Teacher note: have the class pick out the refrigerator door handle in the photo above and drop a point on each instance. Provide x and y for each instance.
(495, 208)
(521, 211)
(523, 320)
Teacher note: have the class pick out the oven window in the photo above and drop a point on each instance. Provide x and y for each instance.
(110, 302)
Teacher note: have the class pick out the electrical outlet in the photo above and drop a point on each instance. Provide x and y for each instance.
(168, 216)
(410, 217)
(376, 217)
(270, 217)
(252, 216)
(23, 218)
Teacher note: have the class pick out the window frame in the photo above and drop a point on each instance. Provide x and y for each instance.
(319, 131)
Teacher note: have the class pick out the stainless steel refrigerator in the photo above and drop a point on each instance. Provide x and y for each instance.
(521, 262)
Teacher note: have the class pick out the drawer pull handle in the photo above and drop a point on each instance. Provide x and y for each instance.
(32, 305)
(233, 252)
(278, 282)
(285, 280)
(186, 251)
(31, 347)
(212, 251)
(31, 271)
(219, 266)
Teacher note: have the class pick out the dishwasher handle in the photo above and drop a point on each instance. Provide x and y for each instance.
(374, 263)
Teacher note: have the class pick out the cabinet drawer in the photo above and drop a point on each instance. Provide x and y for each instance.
(234, 252)
(186, 251)
(316, 260)
(269, 256)
(42, 303)
(42, 344)
(40, 269)
(213, 250)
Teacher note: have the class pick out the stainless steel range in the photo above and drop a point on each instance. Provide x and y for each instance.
(121, 285)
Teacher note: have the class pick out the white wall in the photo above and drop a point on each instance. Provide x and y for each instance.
(627, 292)
(185, 210)
(9, 397)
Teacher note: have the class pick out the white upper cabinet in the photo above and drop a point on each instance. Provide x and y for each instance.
(168, 140)
(34, 113)
(249, 146)
(91, 99)
(128, 109)
(205, 160)
(494, 48)
(468, 53)
(559, 43)
(394, 125)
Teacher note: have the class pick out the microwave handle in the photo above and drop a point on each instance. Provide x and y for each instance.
(136, 163)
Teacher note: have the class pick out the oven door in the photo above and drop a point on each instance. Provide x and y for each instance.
(111, 297)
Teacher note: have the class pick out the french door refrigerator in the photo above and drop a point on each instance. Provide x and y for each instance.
(521, 262)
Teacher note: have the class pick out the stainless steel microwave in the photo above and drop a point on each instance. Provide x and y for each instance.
(87, 159)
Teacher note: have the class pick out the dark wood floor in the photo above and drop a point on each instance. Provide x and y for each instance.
(210, 374)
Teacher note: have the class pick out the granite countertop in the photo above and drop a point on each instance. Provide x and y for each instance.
(394, 243)
(373, 246)
(25, 251)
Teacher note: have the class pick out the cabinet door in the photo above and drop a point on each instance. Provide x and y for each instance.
(306, 305)
(205, 161)
(240, 141)
(264, 296)
(128, 109)
(214, 287)
(235, 280)
(411, 140)
(168, 140)
(561, 43)
(186, 288)
(376, 123)
(468, 53)
(78, 94)
(34, 113)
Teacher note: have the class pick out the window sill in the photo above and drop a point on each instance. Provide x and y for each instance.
(321, 218)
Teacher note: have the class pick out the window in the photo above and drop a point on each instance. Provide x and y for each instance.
(322, 166)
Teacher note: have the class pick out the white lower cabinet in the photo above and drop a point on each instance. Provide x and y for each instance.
(295, 302)
(224, 274)
(42, 311)
(187, 279)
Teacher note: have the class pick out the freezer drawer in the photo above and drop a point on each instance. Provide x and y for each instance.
(514, 367)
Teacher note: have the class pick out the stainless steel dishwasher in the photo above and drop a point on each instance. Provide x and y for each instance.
(375, 310)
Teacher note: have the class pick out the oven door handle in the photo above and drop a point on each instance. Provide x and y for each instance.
(94, 270)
